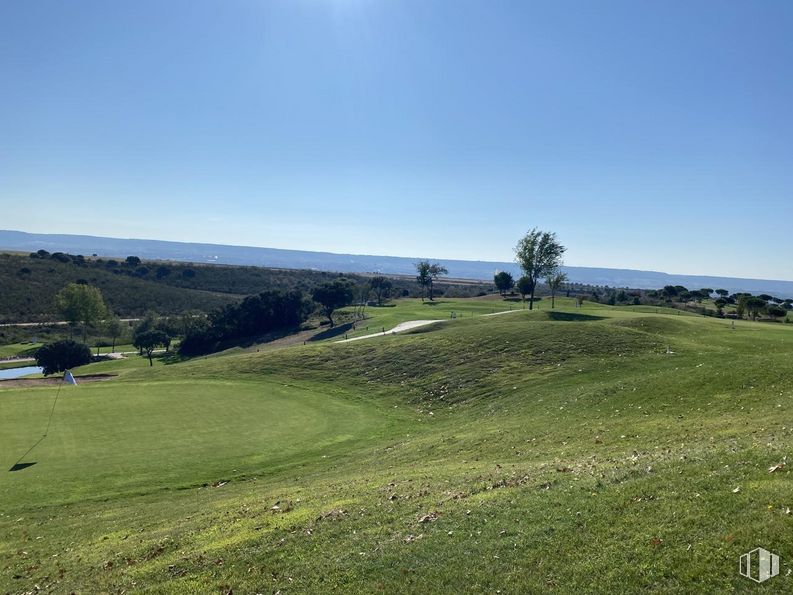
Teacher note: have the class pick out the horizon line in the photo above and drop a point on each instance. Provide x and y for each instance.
(133, 239)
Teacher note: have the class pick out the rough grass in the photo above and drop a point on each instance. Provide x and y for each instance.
(457, 362)
(624, 453)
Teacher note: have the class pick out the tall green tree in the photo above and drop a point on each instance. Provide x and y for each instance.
(381, 286)
(334, 295)
(538, 253)
(555, 280)
(114, 327)
(504, 282)
(148, 341)
(525, 286)
(81, 304)
(423, 277)
(755, 305)
(774, 312)
(427, 274)
(436, 271)
(147, 323)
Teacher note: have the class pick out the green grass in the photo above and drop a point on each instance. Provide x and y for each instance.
(406, 309)
(19, 349)
(580, 450)
(194, 433)
(15, 364)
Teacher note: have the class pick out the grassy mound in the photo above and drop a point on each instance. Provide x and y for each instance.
(474, 359)
(515, 453)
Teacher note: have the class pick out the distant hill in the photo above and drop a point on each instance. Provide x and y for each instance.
(350, 263)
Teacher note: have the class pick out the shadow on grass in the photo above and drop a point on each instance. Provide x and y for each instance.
(171, 357)
(571, 317)
(427, 328)
(332, 332)
(20, 466)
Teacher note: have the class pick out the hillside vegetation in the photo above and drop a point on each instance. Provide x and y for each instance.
(575, 450)
(29, 287)
(29, 284)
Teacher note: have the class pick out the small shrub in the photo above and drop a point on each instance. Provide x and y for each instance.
(62, 355)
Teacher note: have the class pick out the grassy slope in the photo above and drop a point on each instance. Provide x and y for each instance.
(19, 349)
(558, 452)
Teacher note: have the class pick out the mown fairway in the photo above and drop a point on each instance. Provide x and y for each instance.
(580, 450)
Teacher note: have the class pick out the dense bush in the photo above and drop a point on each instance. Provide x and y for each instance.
(255, 316)
(62, 355)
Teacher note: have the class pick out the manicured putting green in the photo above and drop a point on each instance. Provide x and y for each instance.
(116, 437)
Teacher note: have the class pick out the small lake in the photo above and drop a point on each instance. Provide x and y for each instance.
(19, 372)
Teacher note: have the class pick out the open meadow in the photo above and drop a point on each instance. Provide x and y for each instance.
(593, 449)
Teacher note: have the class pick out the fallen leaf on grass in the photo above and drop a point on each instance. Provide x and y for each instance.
(281, 507)
(428, 518)
(336, 513)
(776, 467)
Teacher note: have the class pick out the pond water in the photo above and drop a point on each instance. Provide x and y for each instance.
(19, 372)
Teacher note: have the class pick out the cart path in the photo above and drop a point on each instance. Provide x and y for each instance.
(402, 326)
(411, 324)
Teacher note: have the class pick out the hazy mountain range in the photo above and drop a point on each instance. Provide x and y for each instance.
(356, 263)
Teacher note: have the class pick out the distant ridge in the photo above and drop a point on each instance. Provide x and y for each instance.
(353, 263)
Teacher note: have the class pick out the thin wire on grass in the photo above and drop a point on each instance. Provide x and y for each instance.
(46, 431)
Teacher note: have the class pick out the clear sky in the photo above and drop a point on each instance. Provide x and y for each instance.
(654, 135)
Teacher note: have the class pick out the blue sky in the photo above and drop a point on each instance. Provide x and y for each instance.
(653, 135)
